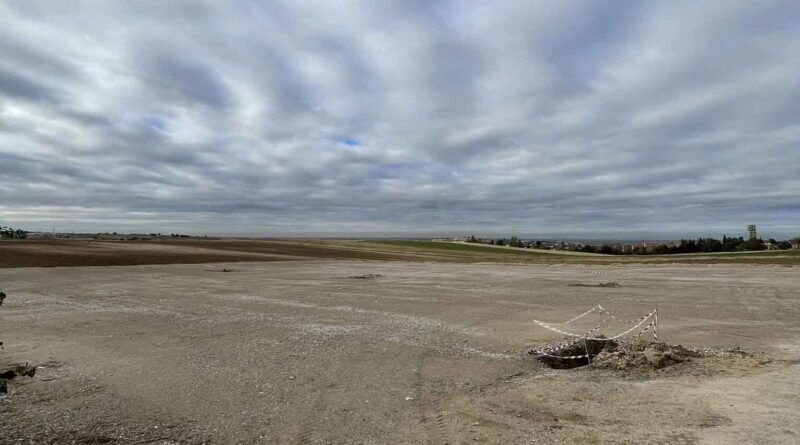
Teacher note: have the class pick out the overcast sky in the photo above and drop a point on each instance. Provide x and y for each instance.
(401, 117)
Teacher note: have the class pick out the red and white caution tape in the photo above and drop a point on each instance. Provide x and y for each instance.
(564, 357)
(647, 317)
(622, 334)
(607, 312)
(652, 316)
(596, 328)
(553, 348)
(655, 327)
(644, 330)
(556, 348)
(598, 307)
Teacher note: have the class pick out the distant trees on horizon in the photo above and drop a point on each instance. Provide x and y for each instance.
(705, 245)
(690, 245)
(10, 233)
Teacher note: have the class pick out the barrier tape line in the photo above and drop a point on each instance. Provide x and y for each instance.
(564, 357)
(634, 327)
(645, 329)
(573, 357)
(652, 316)
(583, 314)
(553, 349)
(570, 334)
(596, 328)
(607, 312)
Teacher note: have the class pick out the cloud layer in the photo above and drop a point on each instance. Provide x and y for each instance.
(389, 118)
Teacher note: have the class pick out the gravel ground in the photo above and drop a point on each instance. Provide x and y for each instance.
(303, 352)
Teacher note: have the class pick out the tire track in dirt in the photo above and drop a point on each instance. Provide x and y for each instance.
(430, 414)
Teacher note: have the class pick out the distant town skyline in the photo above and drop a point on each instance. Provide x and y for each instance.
(630, 236)
(624, 120)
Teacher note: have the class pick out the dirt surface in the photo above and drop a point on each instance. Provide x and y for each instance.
(73, 253)
(423, 352)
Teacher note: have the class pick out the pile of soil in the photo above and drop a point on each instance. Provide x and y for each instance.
(608, 284)
(642, 355)
(638, 355)
(367, 276)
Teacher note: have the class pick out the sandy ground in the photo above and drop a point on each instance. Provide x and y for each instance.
(300, 352)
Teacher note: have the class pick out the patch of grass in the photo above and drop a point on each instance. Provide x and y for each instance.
(757, 254)
(790, 253)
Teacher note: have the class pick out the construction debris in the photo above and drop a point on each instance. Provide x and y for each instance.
(642, 355)
(18, 371)
(638, 354)
(13, 372)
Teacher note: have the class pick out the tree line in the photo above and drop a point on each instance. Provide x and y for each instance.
(10, 233)
(511, 242)
(691, 245)
(694, 245)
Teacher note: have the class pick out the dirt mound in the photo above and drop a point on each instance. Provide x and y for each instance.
(639, 354)
(642, 355)
(608, 284)
(366, 276)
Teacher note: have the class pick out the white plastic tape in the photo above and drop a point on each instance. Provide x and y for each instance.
(583, 314)
(570, 334)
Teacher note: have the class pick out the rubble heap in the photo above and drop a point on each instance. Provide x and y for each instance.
(642, 355)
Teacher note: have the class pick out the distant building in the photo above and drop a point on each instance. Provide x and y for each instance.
(751, 229)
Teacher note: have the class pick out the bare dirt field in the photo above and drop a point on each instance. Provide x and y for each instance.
(83, 252)
(415, 350)
(73, 253)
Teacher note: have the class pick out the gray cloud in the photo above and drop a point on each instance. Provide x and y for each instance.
(391, 118)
